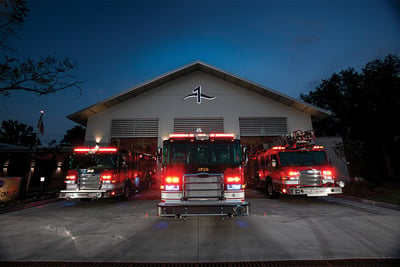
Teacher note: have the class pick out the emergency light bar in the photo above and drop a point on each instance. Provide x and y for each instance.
(95, 149)
(222, 135)
(203, 136)
(181, 135)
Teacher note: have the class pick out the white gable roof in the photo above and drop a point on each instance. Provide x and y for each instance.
(82, 116)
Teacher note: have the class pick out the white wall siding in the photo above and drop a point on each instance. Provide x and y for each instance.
(167, 102)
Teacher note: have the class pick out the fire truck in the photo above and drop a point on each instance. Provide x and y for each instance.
(99, 172)
(293, 165)
(202, 174)
(144, 166)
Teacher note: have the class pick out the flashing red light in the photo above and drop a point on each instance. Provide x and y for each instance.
(172, 180)
(327, 172)
(233, 176)
(222, 135)
(71, 175)
(233, 179)
(278, 147)
(318, 147)
(106, 176)
(81, 149)
(95, 149)
(284, 190)
(181, 135)
(108, 149)
(293, 173)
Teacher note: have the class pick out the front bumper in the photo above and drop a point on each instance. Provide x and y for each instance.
(202, 208)
(82, 194)
(314, 191)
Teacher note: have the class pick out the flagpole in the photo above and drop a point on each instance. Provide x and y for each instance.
(40, 129)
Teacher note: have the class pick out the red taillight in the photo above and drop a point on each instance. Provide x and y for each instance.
(106, 176)
(72, 175)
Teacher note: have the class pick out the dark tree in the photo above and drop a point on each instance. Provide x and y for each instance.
(44, 76)
(75, 136)
(15, 133)
(365, 112)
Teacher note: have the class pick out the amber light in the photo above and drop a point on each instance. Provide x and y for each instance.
(172, 180)
(278, 148)
(234, 179)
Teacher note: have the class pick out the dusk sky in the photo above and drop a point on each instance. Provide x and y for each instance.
(288, 46)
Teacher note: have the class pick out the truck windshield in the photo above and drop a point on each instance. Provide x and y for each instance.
(86, 161)
(303, 158)
(204, 153)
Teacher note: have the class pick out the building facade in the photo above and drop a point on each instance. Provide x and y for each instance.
(195, 96)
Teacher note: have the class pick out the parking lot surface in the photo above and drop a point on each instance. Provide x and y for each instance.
(288, 228)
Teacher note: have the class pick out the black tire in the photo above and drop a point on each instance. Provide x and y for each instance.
(127, 190)
(271, 193)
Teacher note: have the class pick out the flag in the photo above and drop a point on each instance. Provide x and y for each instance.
(40, 124)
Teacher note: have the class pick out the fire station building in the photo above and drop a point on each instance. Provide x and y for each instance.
(195, 96)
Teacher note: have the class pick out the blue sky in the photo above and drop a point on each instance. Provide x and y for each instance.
(289, 46)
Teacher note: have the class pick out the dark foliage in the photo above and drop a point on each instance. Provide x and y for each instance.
(365, 110)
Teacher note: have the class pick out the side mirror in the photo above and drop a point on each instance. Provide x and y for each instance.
(159, 154)
(245, 154)
(273, 163)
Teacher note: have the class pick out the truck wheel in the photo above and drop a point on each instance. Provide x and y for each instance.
(271, 193)
(127, 190)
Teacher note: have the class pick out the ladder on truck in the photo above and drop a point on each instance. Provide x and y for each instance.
(295, 140)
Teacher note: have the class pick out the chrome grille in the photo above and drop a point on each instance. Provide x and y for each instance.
(310, 177)
(89, 181)
(202, 186)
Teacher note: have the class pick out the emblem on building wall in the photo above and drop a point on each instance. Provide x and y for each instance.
(199, 95)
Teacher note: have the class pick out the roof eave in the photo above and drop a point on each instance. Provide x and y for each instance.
(82, 116)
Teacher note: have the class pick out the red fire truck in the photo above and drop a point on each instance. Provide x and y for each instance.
(202, 174)
(99, 172)
(294, 166)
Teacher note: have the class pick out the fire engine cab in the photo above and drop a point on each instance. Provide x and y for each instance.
(202, 174)
(293, 165)
(99, 172)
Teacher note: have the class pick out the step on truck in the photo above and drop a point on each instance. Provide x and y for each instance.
(202, 174)
(294, 165)
(99, 172)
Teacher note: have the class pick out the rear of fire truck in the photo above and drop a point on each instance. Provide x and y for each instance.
(202, 174)
(297, 167)
(99, 172)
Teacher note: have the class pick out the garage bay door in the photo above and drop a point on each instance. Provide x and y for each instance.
(263, 126)
(207, 125)
(134, 128)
